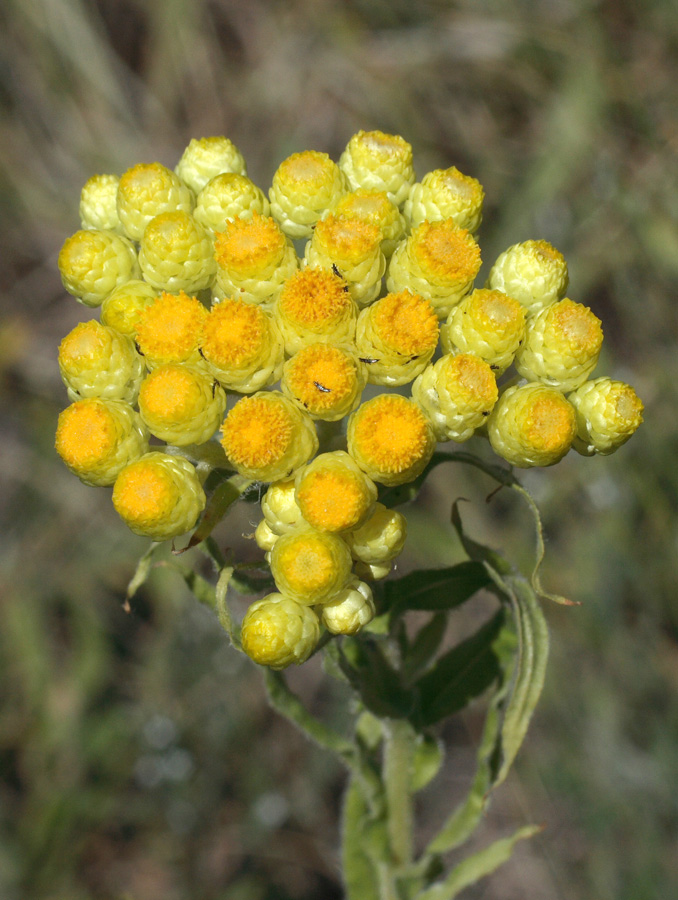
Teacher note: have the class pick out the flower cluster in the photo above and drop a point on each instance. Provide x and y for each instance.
(283, 309)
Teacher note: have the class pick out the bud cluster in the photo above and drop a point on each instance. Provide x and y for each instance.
(282, 309)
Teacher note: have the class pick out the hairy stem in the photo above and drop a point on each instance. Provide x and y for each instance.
(398, 749)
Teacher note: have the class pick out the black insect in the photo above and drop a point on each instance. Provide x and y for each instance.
(366, 359)
(321, 387)
(215, 385)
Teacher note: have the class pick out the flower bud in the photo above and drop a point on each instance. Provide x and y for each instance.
(457, 393)
(391, 439)
(334, 494)
(310, 566)
(181, 405)
(561, 347)
(280, 508)
(159, 496)
(350, 610)
(94, 263)
(98, 438)
(267, 437)
(98, 210)
(380, 162)
(534, 273)
(531, 425)
(205, 158)
(381, 538)
(439, 261)
(122, 308)
(177, 254)
(304, 185)
(446, 194)
(277, 631)
(264, 536)
(608, 412)
(325, 380)
(147, 190)
(397, 335)
(254, 259)
(96, 361)
(226, 197)
(487, 323)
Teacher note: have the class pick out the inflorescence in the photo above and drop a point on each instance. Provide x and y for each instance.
(205, 296)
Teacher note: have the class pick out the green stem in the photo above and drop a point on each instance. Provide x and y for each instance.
(398, 751)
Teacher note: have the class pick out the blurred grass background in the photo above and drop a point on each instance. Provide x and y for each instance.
(138, 758)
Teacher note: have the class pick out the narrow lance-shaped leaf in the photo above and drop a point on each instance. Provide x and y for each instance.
(478, 866)
(435, 589)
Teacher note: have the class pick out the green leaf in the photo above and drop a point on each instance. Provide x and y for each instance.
(379, 685)
(424, 646)
(533, 648)
(435, 589)
(361, 876)
(477, 866)
(466, 817)
(461, 674)
(141, 572)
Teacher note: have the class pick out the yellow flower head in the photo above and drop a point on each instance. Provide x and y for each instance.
(310, 566)
(534, 273)
(158, 496)
(147, 190)
(247, 248)
(334, 494)
(97, 438)
(446, 194)
(205, 158)
(445, 253)
(97, 361)
(379, 161)
(325, 380)
(234, 335)
(532, 425)
(181, 405)
(177, 254)
(390, 438)
(406, 323)
(347, 242)
(608, 413)
(122, 309)
(488, 323)
(267, 437)
(169, 330)
(94, 263)
(315, 305)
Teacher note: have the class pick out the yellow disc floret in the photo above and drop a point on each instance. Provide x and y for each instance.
(315, 305)
(98, 438)
(169, 330)
(532, 425)
(334, 494)
(278, 631)
(398, 336)
(390, 438)
(267, 437)
(376, 208)
(326, 381)
(242, 346)
(310, 566)
(158, 496)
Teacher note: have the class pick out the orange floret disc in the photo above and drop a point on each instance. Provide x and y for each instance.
(233, 333)
(308, 168)
(170, 394)
(348, 240)
(257, 432)
(390, 433)
(169, 329)
(320, 377)
(445, 252)
(468, 378)
(406, 322)
(578, 325)
(333, 499)
(315, 299)
(86, 434)
(144, 494)
(247, 247)
(550, 423)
